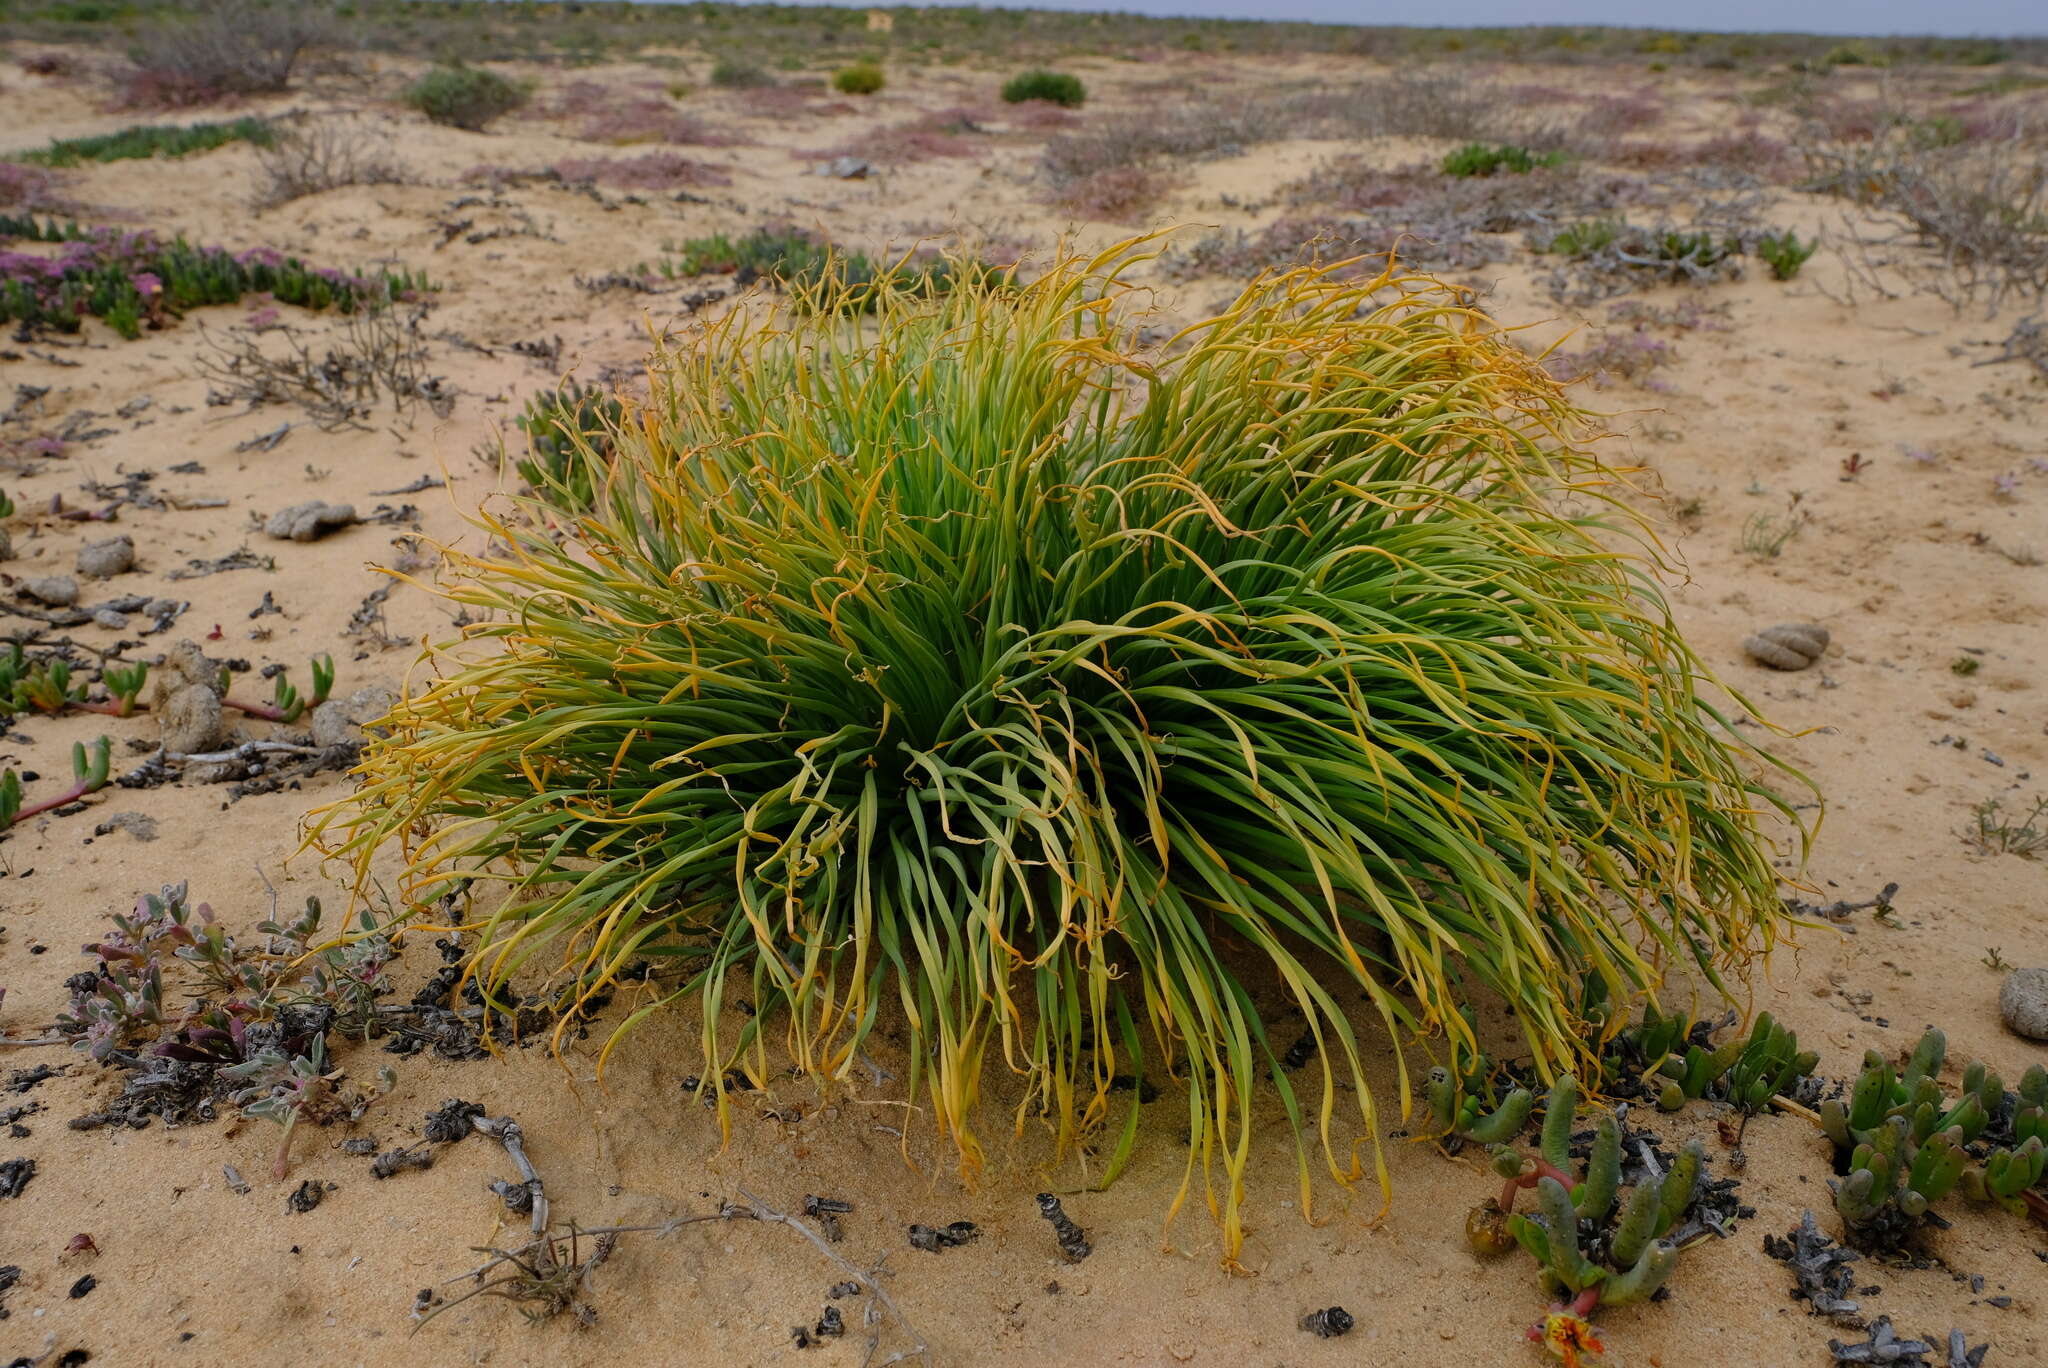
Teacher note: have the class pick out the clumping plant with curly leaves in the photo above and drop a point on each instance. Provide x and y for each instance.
(971, 666)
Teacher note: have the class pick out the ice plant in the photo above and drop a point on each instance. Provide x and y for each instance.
(1907, 1146)
(90, 768)
(976, 663)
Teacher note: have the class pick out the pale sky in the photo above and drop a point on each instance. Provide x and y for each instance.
(1952, 18)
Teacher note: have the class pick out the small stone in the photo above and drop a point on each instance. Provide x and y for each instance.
(191, 720)
(2024, 1002)
(110, 619)
(56, 591)
(340, 721)
(1788, 646)
(106, 559)
(307, 521)
(845, 168)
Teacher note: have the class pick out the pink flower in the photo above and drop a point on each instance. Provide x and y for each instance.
(148, 284)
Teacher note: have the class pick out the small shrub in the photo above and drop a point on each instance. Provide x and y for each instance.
(862, 78)
(730, 73)
(648, 120)
(1115, 194)
(465, 97)
(943, 133)
(1784, 253)
(1053, 87)
(224, 49)
(378, 353)
(1584, 239)
(1608, 256)
(1478, 159)
(47, 64)
(309, 159)
(152, 140)
(915, 686)
(654, 171)
(1622, 355)
(1997, 834)
(26, 189)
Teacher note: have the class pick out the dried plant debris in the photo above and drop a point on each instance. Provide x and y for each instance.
(933, 1239)
(826, 1211)
(1841, 909)
(1073, 1241)
(1884, 1346)
(830, 1325)
(551, 1274)
(15, 1175)
(397, 1161)
(1328, 1323)
(1822, 1269)
(451, 1121)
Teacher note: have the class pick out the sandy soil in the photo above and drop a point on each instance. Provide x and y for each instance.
(1903, 562)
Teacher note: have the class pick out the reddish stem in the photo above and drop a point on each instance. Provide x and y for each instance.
(1583, 1304)
(109, 707)
(71, 795)
(1543, 1169)
(262, 710)
(87, 514)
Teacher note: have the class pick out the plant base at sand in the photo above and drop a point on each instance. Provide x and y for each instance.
(1593, 1247)
(972, 667)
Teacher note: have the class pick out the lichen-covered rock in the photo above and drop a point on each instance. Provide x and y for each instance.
(2023, 1002)
(106, 559)
(1789, 645)
(307, 521)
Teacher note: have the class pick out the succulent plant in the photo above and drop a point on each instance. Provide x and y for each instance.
(1594, 1248)
(90, 768)
(1909, 1145)
(46, 685)
(1466, 1107)
(1744, 1071)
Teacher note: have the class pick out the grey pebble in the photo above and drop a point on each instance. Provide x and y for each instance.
(2023, 1002)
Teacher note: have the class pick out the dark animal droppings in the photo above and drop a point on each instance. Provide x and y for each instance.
(1328, 1323)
